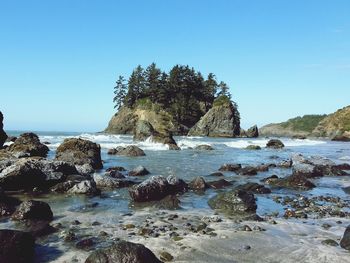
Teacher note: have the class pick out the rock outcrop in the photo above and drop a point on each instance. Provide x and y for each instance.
(122, 252)
(252, 132)
(222, 120)
(80, 152)
(345, 241)
(275, 144)
(130, 150)
(28, 145)
(33, 210)
(3, 135)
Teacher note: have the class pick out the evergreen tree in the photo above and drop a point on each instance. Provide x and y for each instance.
(210, 89)
(119, 92)
(224, 90)
(136, 86)
(152, 81)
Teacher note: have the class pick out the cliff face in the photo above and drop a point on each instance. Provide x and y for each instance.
(219, 121)
(3, 135)
(336, 124)
(124, 122)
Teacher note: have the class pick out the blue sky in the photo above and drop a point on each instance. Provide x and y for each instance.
(59, 59)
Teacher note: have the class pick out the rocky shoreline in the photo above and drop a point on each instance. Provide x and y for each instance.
(157, 229)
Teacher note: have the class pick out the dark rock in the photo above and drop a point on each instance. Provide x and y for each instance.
(341, 138)
(330, 242)
(198, 183)
(16, 246)
(165, 256)
(343, 166)
(345, 241)
(28, 144)
(7, 204)
(253, 147)
(143, 130)
(3, 135)
(253, 132)
(285, 164)
(80, 152)
(33, 210)
(230, 167)
(248, 170)
(275, 144)
(139, 171)
(63, 187)
(204, 147)
(154, 188)
(177, 185)
(116, 168)
(84, 187)
(115, 174)
(216, 174)
(103, 181)
(85, 244)
(222, 120)
(37, 228)
(292, 181)
(131, 151)
(219, 184)
(254, 188)
(346, 189)
(122, 252)
(235, 202)
(11, 139)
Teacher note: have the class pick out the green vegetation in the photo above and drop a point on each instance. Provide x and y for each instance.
(221, 100)
(306, 123)
(183, 92)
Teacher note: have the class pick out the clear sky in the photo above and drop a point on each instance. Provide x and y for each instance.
(59, 59)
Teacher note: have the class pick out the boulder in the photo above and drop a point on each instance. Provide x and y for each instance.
(28, 144)
(222, 120)
(235, 202)
(198, 183)
(219, 184)
(84, 187)
(85, 169)
(345, 241)
(103, 181)
(122, 252)
(230, 167)
(7, 204)
(204, 147)
(253, 147)
(33, 210)
(247, 170)
(275, 144)
(80, 152)
(177, 185)
(154, 188)
(292, 181)
(341, 138)
(138, 171)
(16, 246)
(3, 135)
(143, 130)
(253, 132)
(131, 151)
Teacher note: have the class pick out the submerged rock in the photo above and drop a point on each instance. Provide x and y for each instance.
(248, 170)
(292, 181)
(84, 187)
(139, 171)
(131, 151)
(230, 167)
(28, 144)
(204, 147)
(254, 188)
(219, 184)
(103, 181)
(16, 246)
(198, 183)
(80, 152)
(33, 210)
(177, 185)
(122, 252)
(235, 202)
(253, 147)
(275, 144)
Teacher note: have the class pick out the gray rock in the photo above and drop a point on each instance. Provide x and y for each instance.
(253, 132)
(103, 181)
(154, 188)
(33, 210)
(177, 184)
(28, 144)
(131, 151)
(139, 171)
(122, 252)
(143, 130)
(253, 147)
(84, 187)
(230, 167)
(80, 152)
(235, 202)
(220, 121)
(198, 183)
(16, 246)
(85, 169)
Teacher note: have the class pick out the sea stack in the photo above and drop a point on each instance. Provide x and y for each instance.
(3, 135)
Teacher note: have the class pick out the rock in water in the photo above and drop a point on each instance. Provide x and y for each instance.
(198, 183)
(253, 132)
(3, 135)
(143, 130)
(235, 202)
(345, 241)
(154, 188)
(80, 152)
(222, 120)
(275, 144)
(130, 150)
(33, 210)
(16, 246)
(84, 187)
(122, 252)
(138, 171)
(28, 144)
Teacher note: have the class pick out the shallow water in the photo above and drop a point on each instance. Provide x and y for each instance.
(111, 207)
